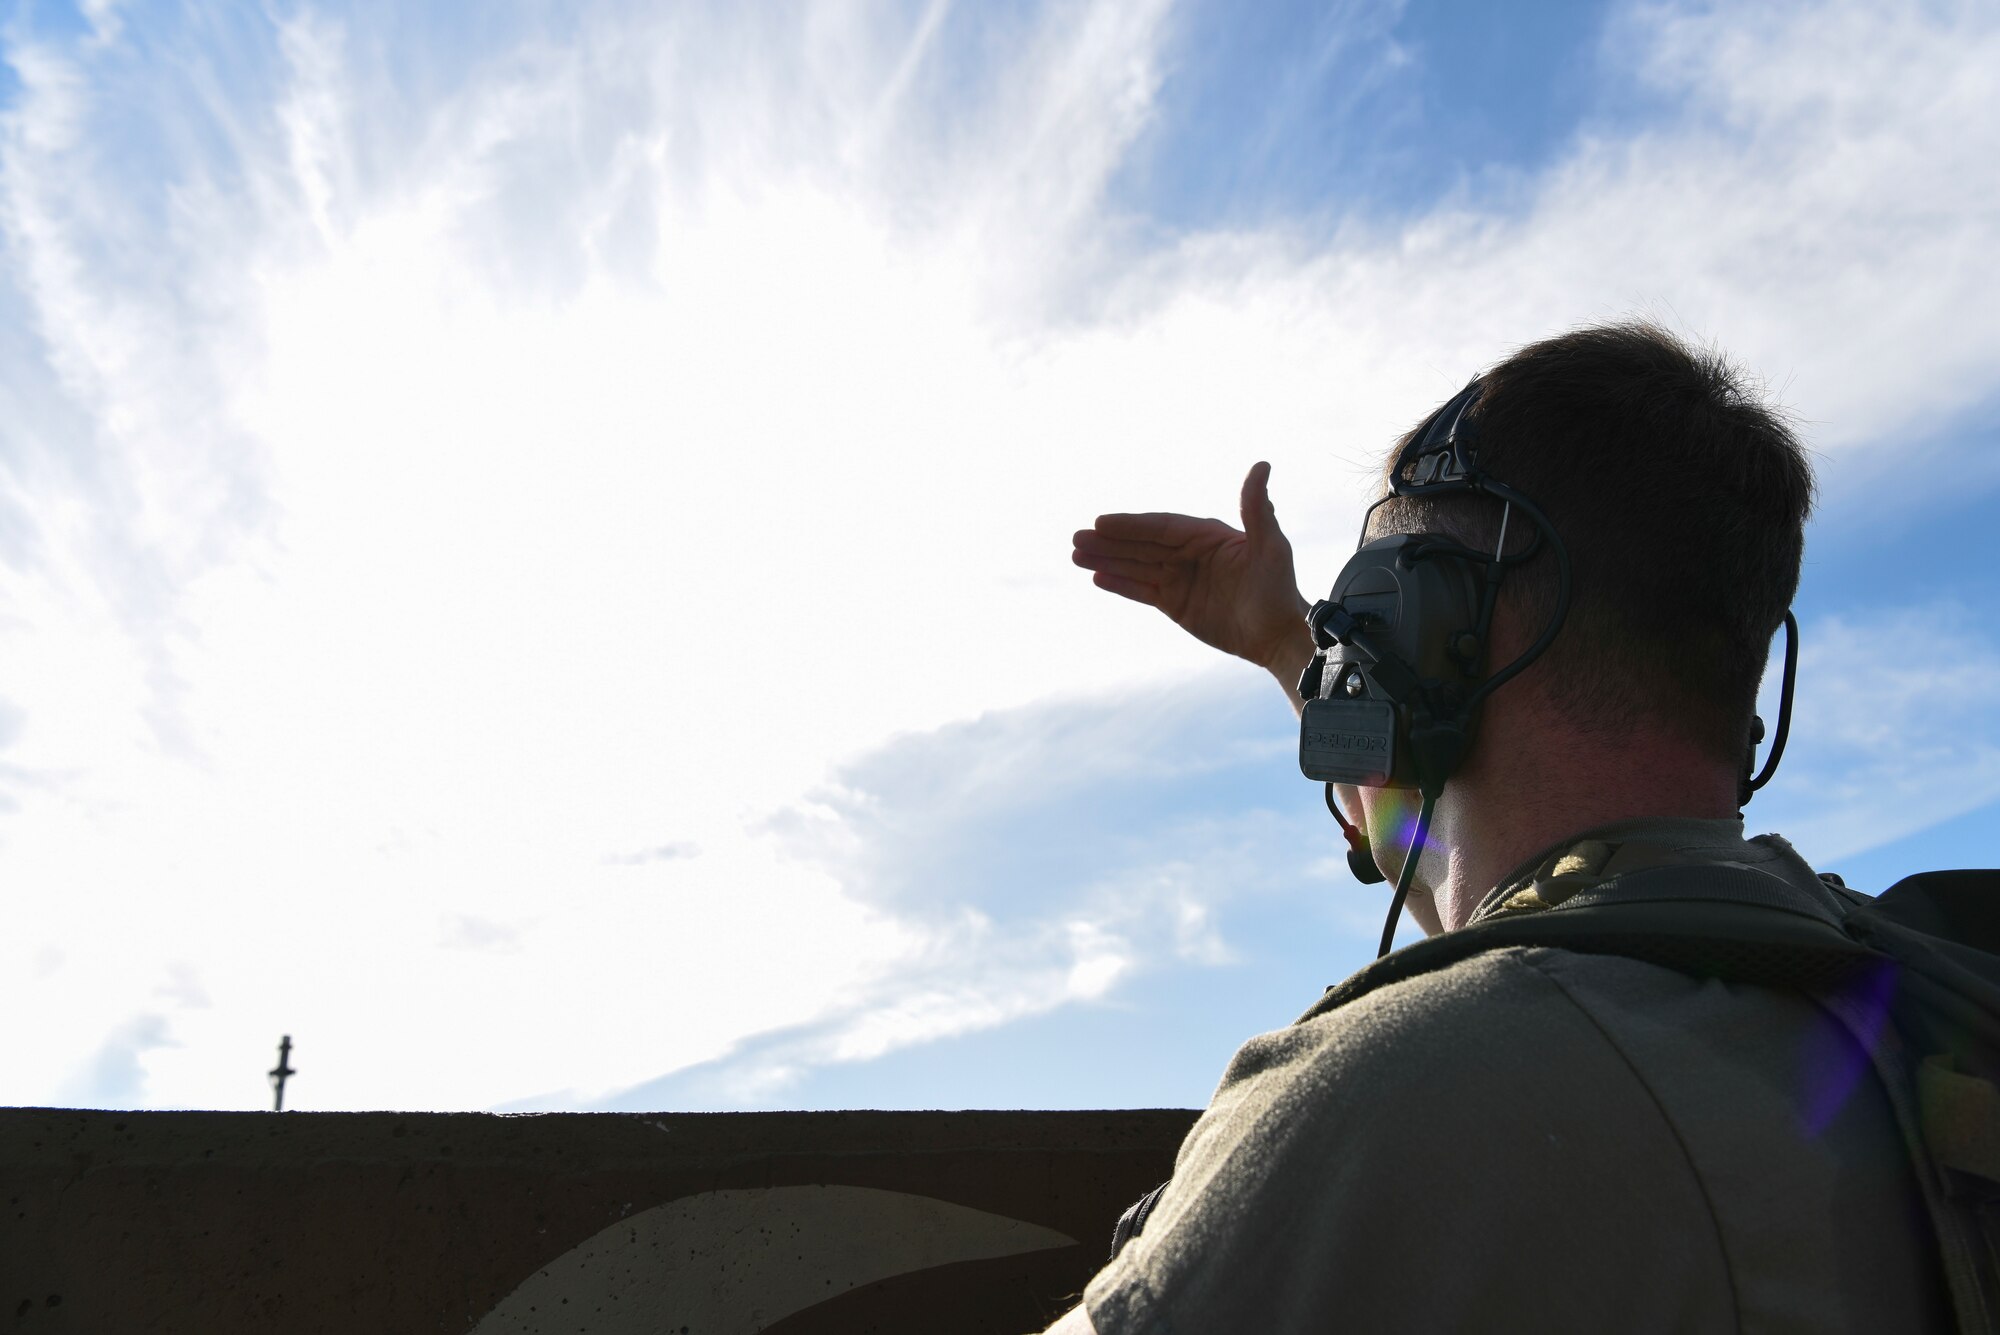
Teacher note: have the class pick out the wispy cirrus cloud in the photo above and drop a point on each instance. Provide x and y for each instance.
(679, 848)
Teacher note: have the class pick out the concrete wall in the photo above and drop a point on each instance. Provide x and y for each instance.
(794, 1223)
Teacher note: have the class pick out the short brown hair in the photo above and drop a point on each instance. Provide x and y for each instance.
(1682, 499)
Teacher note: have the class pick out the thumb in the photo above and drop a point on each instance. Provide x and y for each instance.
(1260, 518)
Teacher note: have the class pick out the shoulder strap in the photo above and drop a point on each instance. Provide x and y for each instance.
(1133, 1222)
(1712, 921)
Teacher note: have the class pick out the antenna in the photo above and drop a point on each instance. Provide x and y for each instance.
(282, 1072)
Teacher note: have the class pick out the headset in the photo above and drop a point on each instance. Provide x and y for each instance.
(1392, 694)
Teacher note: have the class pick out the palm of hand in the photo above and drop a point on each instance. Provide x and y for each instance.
(1234, 589)
(1210, 589)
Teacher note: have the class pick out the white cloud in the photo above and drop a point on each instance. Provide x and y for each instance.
(442, 488)
(103, 18)
(1895, 729)
(115, 1075)
(463, 931)
(680, 848)
(1040, 857)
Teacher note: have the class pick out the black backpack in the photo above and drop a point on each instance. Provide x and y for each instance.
(1930, 944)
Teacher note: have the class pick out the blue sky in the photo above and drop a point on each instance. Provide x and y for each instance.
(533, 548)
(1313, 110)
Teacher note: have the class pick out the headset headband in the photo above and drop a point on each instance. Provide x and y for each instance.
(1442, 452)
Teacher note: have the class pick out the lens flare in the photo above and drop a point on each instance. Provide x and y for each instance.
(1839, 1056)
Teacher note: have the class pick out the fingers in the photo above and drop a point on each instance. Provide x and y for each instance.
(1169, 529)
(1137, 590)
(1260, 518)
(1090, 542)
(1142, 571)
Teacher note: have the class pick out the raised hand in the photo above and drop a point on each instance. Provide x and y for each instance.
(1230, 588)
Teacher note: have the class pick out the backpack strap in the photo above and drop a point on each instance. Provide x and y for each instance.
(1960, 1118)
(1133, 1222)
(1712, 921)
(1947, 1120)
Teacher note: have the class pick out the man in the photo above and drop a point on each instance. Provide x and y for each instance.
(1536, 1139)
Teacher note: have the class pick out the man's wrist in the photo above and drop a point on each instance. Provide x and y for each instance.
(1287, 661)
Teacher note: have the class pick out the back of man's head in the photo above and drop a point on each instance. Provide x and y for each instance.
(1682, 500)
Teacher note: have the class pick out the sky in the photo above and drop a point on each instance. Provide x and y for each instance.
(534, 538)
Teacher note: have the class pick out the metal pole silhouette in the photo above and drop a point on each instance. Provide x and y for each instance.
(281, 1071)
